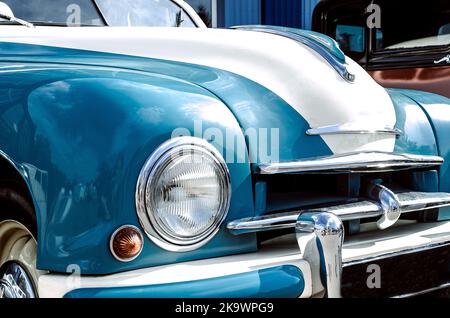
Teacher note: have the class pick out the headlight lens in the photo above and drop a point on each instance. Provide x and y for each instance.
(187, 194)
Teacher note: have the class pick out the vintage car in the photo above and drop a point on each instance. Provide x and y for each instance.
(159, 158)
(402, 43)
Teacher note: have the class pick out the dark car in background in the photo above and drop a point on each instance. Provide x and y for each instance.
(402, 43)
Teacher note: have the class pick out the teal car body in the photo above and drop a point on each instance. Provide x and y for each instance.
(70, 137)
(78, 126)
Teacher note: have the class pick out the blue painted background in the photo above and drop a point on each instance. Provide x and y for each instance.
(239, 12)
(289, 13)
(283, 13)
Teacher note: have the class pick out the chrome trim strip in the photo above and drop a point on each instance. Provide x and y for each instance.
(445, 59)
(352, 129)
(417, 201)
(353, 163)
(425, 291)
(340, 67)
(416, 249)
(408, 202)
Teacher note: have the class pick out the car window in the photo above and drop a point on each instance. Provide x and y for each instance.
(378, 39)
(144, 13)
(204, 10)
(116, 13)
(348, 27)
(411, 24)
(350, 38)
(71, 12)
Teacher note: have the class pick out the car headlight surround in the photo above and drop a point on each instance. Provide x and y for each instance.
(183, 194)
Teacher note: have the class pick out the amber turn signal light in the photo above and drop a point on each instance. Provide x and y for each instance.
(126, 243)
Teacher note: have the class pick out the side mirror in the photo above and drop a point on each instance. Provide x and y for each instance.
(5, 11)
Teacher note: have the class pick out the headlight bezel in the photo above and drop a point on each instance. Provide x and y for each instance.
(159, 158)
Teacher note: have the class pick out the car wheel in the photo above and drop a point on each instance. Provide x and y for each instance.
(18, 250)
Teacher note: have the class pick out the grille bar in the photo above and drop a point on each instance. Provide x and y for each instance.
(363, 162)
(409, 202)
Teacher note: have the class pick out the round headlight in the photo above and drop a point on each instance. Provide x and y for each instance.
(183, 194)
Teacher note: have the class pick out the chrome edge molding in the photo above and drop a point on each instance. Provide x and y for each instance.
(353, 163)
(423, 292)
(354, 129)
(445, 59)
(408, 202)
(417, 249)
(145, 176)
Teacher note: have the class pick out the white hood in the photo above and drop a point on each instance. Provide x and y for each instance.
(291, 70)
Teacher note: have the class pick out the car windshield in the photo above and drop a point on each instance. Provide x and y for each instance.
(164, 13)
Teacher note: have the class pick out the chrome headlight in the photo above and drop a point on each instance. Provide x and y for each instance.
(183, 194)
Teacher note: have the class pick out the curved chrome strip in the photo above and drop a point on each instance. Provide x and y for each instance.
(417, 201)
(423, 292)
(354, 129)
(409, 202)
(390, 254)
(445, 59)
(355, 162)
(340, 68)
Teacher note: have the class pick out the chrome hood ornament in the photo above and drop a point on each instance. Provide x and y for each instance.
(445, 59)
(327, 49)
(320, 232)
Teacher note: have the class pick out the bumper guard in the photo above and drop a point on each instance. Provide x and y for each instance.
(322, 232)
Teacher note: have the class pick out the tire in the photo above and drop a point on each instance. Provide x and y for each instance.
(18, 243)
(15, 204)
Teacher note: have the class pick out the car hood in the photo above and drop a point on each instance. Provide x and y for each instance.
(292, 71)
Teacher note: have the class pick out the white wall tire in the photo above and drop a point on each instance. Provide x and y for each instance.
(18, 252)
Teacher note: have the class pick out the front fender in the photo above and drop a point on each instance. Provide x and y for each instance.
(84, 136)
(437, 109)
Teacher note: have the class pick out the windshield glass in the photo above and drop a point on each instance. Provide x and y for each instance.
(407, 24)
(164, 13)
(65, 12)
(143, 13)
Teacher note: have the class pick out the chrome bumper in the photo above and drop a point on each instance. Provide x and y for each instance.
(363, 248)
(327, 231)
(320, 233)
(406, 203)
